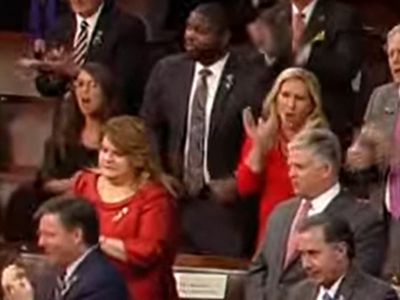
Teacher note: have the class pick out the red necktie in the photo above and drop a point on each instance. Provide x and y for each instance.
(298, 28)
(300, 216)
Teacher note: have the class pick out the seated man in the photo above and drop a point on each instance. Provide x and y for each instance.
(326, 246)
(314, 159)
(69, 233)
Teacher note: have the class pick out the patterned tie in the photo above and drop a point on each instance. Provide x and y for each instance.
(82, 44)
(326, 296)
(60, 287)
(291, 245)
(298, 28)
(394, 176)
(193, 174)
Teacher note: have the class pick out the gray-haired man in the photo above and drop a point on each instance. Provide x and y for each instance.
(314, 160)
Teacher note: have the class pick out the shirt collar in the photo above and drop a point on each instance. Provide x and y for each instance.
(92, 20)
(320, 203)
(215, 68)
(307, 11)
(74, 265)
(333, 289)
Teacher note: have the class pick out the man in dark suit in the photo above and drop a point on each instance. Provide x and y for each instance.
(326, 247)
(96, 30)
(69, 234)
(314, 160)
(193, 105)
(326, 38)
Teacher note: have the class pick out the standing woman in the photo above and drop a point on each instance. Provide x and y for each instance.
(293, 104)
(138, 220)
(72, 146)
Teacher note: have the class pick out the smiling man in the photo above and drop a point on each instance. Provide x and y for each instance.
(326, 247)
(314, 161)
(69, 233)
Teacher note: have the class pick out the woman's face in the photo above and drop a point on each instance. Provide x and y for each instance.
(294, 104)
(114, 164)
(88, 94)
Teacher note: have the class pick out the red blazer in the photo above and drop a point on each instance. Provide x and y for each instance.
(146, 222)
(272, 185)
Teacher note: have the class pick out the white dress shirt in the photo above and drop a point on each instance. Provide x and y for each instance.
(306, 11)
(92, 21)
(73, 266)
(320, 203)
(304, 53)
(212, 87)
(331, 291)
(387, 193)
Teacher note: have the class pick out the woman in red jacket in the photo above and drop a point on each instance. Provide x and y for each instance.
(137, 214)
(293, 103)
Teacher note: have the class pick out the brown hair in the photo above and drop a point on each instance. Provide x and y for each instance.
(129, 135)
(70, 120)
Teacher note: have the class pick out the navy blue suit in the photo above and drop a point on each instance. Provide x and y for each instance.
(94, 279)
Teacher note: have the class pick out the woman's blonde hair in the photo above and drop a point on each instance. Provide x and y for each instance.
(316, 117)
(129, 135)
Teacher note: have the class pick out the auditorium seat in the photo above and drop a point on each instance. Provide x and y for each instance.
(25, 124)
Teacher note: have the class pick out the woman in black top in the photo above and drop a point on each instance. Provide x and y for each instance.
(72, 146)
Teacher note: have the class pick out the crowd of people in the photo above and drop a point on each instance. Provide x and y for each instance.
(247, 151)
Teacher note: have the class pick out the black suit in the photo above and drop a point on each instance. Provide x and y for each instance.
(356, 285)
(335, 33)
(268, 279)
(213, 228)
(94, 279)
(118, 41)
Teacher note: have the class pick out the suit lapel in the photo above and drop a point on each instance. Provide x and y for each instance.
(391, 108)
(100, 30)
(286, 226)
(348, 285)
(225, 87)
(182, 97)
(316, 23)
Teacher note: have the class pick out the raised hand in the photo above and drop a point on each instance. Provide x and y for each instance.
(263, 133)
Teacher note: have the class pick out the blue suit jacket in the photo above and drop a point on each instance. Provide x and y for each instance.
(95, 279)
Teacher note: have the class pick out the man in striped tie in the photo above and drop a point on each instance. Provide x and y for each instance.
(96, 31)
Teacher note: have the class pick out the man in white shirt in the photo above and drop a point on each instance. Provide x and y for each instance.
(326, 247)
(193, 104)
(69, 233)
(314, 159)
(96, 31)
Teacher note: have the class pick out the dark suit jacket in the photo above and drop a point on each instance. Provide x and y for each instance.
(269, 280)
(335, 57)
(356, 285)
(95, 279)
(118, 42)
(218, 228)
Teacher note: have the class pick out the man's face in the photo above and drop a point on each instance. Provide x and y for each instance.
(59, 244)
(394, 57)
(322, 261)
(85, 8)
(306, 172)
(202, 39)
(261, 36)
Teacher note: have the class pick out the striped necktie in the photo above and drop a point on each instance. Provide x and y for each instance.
(81, 44)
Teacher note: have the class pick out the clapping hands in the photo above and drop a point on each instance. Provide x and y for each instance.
(263, 132)
(15, 284)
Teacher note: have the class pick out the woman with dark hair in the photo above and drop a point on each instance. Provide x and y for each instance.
(76, 135)
(73, 146)
(137, 214)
